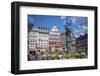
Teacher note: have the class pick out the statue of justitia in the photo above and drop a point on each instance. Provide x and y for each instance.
(70, 38)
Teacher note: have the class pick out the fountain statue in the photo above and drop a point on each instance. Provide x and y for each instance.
(70, 38)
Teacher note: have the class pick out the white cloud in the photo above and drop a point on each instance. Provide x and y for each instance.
(77, 31)
(79, 26)
(73, 19)
(63, 17)
(64, 22)
(82, 33)
(81, 30)
(76, 35)
(84, 27)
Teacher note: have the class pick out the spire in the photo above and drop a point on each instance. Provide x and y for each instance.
(55, 30)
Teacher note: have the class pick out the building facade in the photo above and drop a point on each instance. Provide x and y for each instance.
(63, 41)
(82, 42)
(38, 39)
(54, 39)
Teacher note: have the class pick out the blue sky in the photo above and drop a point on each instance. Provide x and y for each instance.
(79, 24)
